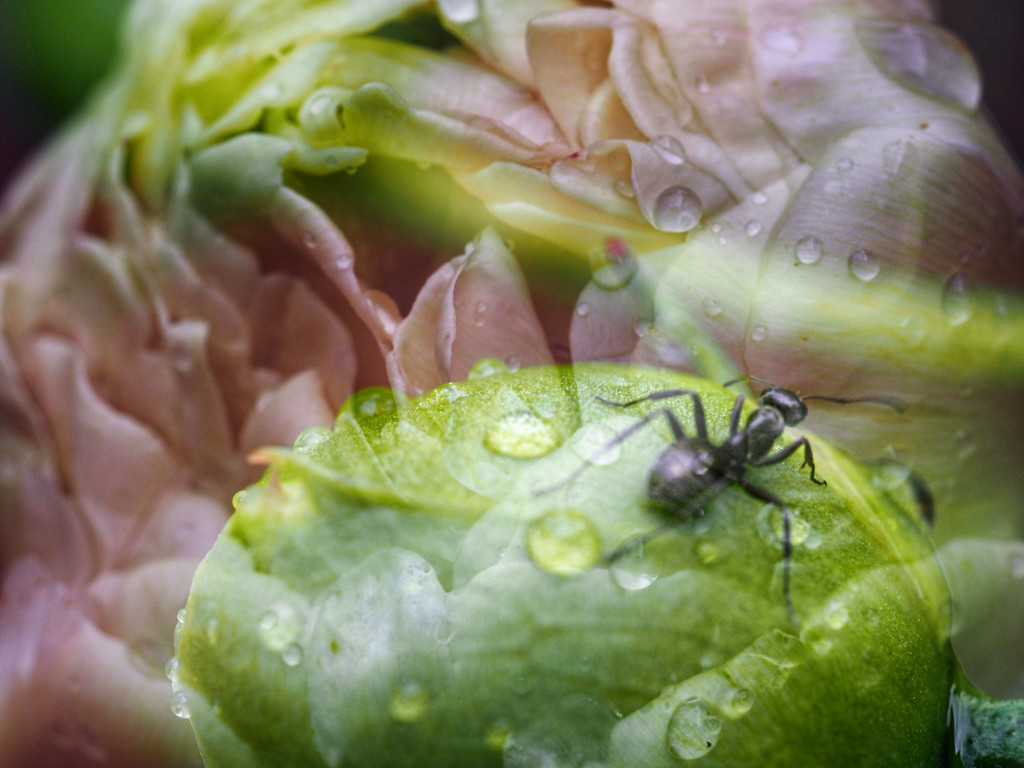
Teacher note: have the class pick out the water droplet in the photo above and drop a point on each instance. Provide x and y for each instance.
(759, 198)
(613, 266)
(292, 655)
(753, 228)
(180, 615)
(271, 91)
(497, 736)
(582, 309)
(924, 56)
(701, 83)
(692, 730)
(487, 366)
(781, 39)
(594, 444)
(563, 542)
(371, 401)
(844, 164)
(669, 149)
(460, 11)
(453, 392)
(513, 363)
(712, 307)
(309, 240)
(770, 526)
(719, 36)
(912, 329)
(864, 265)
(279, 627)
(634, 570)
(758, 333)
(677, 209)
(836, 615)
(179, 705)
(896, 155)
(736, 702)
(409, 703)
(522, 436)
(889, 475)
(625, 188)
(809, 250)
(707, 553)
(821, 646)
(311, 437)
(171, 668)
(956, 299)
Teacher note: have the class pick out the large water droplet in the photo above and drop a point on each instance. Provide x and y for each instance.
(311, 437)
(497, 736)
(460, 11)
(677, 209)
(614, 265)
(371, 401)
(836, 615)
(712, 307)
(179, 705)
(912, 329)
(956, 299)
(692, 730)
(279, 627)
(635, 570)
(923, 56)
(864, 265)
(736, 702)
(522, 436)
(897, 155)
(752, 228)
(809, 250)
(563, 542)
(409, 703)
(487, 366)
(669, 149)
(171, 669)
(758, 333)
(292, 655)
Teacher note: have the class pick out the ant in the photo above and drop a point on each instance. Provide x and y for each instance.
(692, 471)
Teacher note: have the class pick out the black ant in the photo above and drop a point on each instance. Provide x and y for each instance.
(691, 472)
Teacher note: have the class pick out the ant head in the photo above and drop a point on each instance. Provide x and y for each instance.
(786, 403)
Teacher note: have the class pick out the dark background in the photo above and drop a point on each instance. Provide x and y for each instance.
(53, 51)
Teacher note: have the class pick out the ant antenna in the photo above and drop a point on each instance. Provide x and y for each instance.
(900, 406)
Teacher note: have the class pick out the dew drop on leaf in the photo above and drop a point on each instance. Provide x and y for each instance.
(487, 366)
(677, 209)
(521, 436)
(563, 542)
(956, 299)
(809, 250)
(692, 730)
(864, 265)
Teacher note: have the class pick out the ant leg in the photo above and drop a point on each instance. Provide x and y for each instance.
(699, 422)
(787, 541)
(788, 451)
(677, 431)
(734, 416)
(690, 512)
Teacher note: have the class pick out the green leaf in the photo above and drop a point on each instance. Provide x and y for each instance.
(430, 585)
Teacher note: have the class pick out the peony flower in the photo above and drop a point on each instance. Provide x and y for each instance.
(273, 204)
